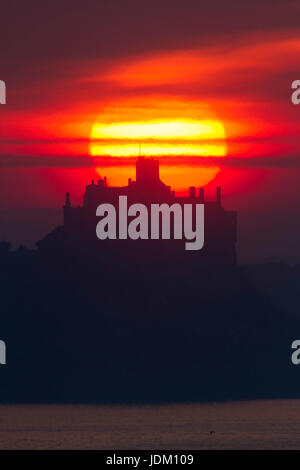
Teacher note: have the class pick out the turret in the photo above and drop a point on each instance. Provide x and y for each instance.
(68, 200)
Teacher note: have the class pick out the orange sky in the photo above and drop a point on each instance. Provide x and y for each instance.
(238, 94)
(109, 65)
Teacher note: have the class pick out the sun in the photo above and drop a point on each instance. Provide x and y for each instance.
(184, 129)
(158, 138)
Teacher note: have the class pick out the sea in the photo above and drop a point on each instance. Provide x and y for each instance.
(267, 424)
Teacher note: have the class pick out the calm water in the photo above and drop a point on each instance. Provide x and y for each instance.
(246, 425)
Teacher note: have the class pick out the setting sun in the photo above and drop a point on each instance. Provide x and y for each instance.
(180, 137)
(183, 137)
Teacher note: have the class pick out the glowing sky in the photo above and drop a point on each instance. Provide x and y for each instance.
(163, 77)
(209, 80)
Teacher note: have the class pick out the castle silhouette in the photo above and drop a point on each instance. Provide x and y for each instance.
(78, 230)
(127, 321)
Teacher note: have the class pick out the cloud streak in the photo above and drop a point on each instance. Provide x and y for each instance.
(292, 161)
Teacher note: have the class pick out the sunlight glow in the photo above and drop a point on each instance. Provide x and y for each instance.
(157, 130)
(148, 149)
(158, 138)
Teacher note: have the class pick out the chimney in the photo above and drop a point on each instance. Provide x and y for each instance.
(105, 182)
(192, 192)
(201, 195)
(219, 195)
(129, 181)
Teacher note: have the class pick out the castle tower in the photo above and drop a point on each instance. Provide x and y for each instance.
(147, 171)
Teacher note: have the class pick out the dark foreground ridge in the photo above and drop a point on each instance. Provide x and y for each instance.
(144, 321)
